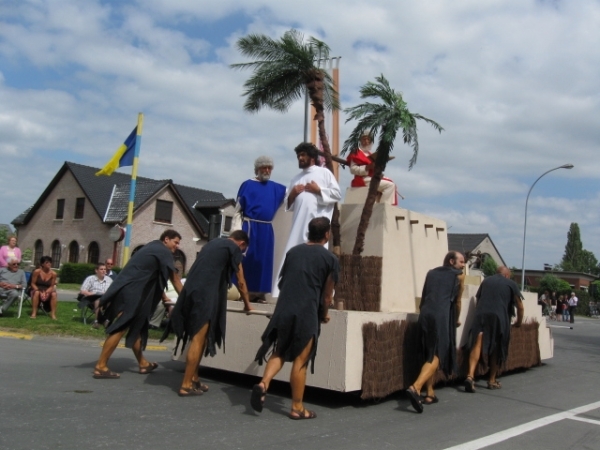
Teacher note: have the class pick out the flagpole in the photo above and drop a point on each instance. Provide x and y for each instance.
(138, 142)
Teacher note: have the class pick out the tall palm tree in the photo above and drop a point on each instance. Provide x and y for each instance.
(385, 119)
(284, 70)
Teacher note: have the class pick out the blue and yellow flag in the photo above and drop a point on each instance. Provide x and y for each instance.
(123, 156)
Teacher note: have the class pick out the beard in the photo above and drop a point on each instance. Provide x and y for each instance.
(366, 148)
(263, 176)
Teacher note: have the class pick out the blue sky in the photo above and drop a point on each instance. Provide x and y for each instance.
(514, 84)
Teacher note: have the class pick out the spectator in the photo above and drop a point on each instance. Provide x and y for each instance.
(94, 286)
(43, 288)
(9, 251)
(572, 306)
(109, 272)
(12, 280)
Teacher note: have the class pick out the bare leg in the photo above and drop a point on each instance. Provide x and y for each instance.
(274, 365)
(475, 355)
(110, 344)
(53, 303)
(194, 356)
(427, 372)
(35, 302)
(493, 367)
(298, 376)
(139, 355)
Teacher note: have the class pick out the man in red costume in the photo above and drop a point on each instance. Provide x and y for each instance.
(361, 166)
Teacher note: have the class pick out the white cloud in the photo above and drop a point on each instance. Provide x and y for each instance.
(513, 83)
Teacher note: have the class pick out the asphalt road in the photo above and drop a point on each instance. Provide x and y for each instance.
(48, 400)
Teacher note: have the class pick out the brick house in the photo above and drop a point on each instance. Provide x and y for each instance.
(72, 219)
(577, 280)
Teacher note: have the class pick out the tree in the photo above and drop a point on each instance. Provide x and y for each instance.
(4, 232)
(284, 70)
(383, 119)
(552, 283)
(589, 263)
(573, 250)
(489, 266)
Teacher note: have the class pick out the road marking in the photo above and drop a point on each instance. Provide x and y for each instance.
(524, 428)
(12, 335)
(583, 419)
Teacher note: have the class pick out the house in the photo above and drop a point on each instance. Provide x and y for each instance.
(577, 280)
(79, 216)
(476, 248)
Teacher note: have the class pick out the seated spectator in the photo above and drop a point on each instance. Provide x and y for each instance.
(43, 288)
(163, 309)
(109, 272)
(94, 286)
(9, 251)
(12, 280)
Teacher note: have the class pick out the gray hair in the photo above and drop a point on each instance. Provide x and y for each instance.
(263, 161)
(13, 259)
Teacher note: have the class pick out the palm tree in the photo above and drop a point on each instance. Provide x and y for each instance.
(385, 119)
(284, 70)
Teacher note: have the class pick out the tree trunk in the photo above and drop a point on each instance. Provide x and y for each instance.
(315, 92)
(383, 152)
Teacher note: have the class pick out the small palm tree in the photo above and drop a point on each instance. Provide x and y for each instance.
(284, 70)
(385, 119)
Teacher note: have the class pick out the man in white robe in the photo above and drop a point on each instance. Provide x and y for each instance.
(312, 193)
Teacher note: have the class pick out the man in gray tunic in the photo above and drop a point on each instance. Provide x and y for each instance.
(490, 333)
(200, 314)
(12, 280)
(438, 320)
(130, 299)
(308, 277)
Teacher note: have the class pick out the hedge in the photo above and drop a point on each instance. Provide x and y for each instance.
(77, 272)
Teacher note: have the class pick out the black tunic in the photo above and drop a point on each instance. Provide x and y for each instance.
(137, 290)
(204, 295)
(297, 316)
(437, 321)
(495, 307)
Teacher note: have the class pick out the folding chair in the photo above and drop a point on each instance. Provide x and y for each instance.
(26, 298)
(86, 307)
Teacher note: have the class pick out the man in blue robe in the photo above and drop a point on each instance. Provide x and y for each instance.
(258, 200)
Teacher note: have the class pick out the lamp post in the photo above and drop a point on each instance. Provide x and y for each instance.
(564, 166)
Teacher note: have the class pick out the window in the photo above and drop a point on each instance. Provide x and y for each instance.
(227, 225)
(60, 208)
(164, 211)
(73, 252)
(79, 206)
(38, 251)
(93, 253)
(56, 250)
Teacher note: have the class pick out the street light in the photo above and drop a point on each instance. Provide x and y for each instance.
(564, 166)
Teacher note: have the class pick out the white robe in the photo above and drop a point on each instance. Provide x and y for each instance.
(307, 206)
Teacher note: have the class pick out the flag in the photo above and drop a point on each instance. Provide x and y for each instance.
(123, 156)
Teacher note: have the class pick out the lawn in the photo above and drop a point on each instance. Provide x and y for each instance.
(69, 323)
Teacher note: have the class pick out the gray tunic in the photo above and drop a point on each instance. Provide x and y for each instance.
(137, 290)
(297, 316)
(204, 295)
(437, 321)
(495, 307)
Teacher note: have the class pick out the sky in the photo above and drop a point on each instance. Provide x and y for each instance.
(514, 84)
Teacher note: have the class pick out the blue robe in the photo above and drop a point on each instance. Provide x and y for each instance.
(259, 201)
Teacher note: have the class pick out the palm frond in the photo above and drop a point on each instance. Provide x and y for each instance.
(385, 118)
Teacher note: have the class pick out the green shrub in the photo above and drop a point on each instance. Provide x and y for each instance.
(76, 272)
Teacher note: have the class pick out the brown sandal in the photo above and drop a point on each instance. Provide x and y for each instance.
(470, 385)
(105, 374)
(494, 385)
(198, 385)
(301, 415)
(189, 392)
(149, 368)
(257, 398)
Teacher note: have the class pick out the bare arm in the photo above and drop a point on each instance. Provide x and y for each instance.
(34, 277)
(243, 288)
(520, 311)
(294, 192)
(327, 298)
(176, 283)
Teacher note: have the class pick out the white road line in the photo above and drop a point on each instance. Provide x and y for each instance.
(524, 428)
(583, 419)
